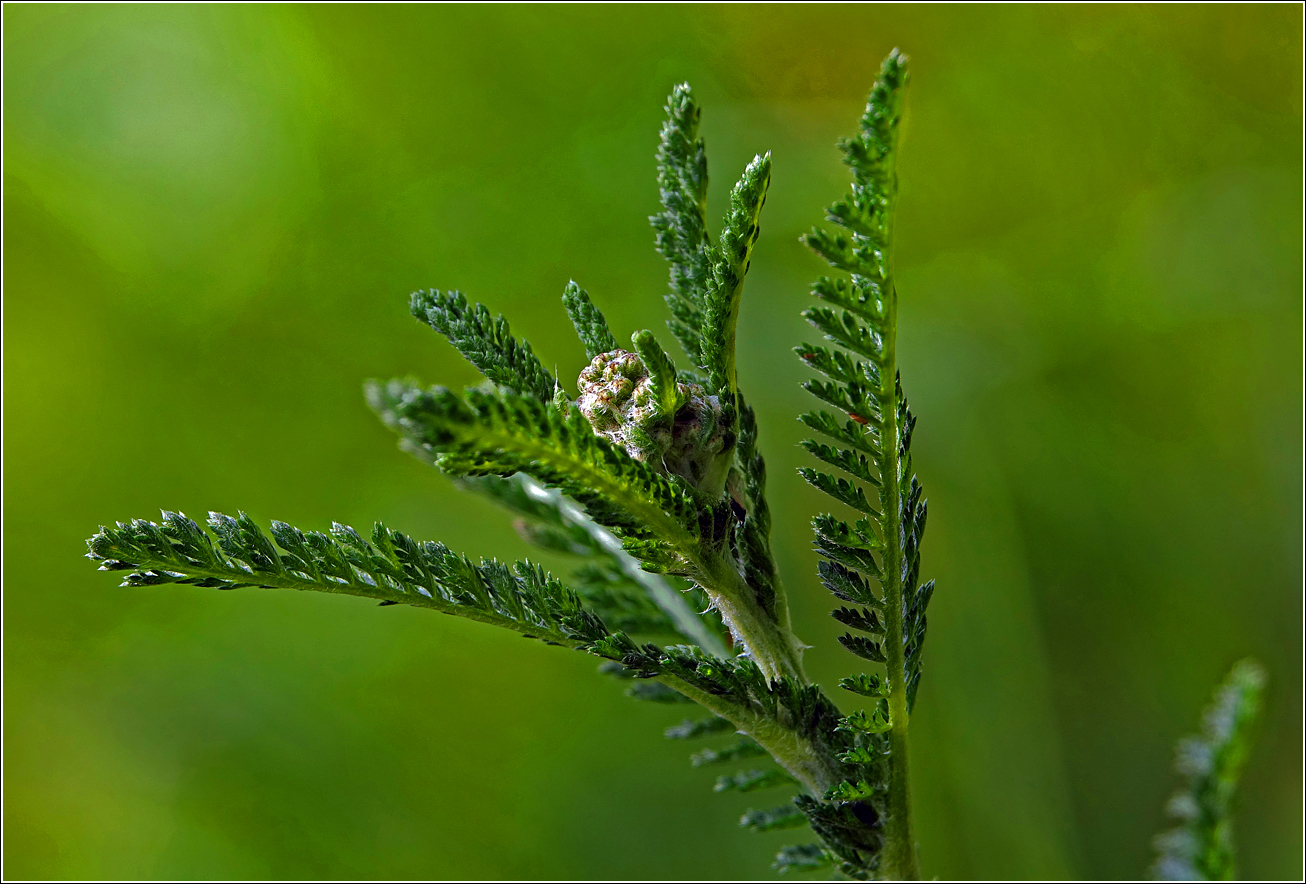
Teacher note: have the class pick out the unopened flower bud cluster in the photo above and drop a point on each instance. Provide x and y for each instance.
(616, 396)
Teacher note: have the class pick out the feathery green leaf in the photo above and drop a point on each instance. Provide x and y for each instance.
(681, 226)
(591, 327)
(490, 433)
(391, 568)
(732, 257)
(864, 819)
(485, 341)
(1201, 847)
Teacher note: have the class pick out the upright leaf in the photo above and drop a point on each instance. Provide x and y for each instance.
(591, 327)
(865, 820)
(681, 226)
(485, 341)
(1201, 847)
(726, 285)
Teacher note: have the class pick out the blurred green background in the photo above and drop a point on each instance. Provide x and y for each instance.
(213, 217)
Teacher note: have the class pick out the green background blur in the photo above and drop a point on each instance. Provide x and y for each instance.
(212, 220)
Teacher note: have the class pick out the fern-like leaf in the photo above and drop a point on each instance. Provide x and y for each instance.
(726, 285)
(1201, 847)
(501, 433)
(681, 226)
(391, 568)
(591, 327)
(864, 820)
(485, 341)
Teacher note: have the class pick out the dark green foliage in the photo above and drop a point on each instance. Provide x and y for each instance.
(752, 535)
(871, 429)
(864, 620)
(726, 285)
(852, 433)
(866, 685)
(591, 327)
(661, 372)
(853, 463)
(848, 493)
(914, 631)
(391, 568)
(863, 647)
(873, 722)
(850, 826)
(860, 535)
(681, 226)
(485, 341)
(737, 681)
(1201, 847)
(846, 584)
(501, 433)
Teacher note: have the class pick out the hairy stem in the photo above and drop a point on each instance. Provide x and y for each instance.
(770, 644)
(801, 758)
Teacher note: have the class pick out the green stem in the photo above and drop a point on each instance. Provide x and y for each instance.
(801, 758)
(770, 644)
(900, 846)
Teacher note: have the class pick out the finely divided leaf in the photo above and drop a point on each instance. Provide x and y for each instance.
(498, 433)
(726, 285)
(681, 226)
(591, 327)
(869, 433)
(1201, 847)
(485, 341)
(392, 567)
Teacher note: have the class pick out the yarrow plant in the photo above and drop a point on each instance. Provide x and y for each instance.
(648, 474)
(1200, 847)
